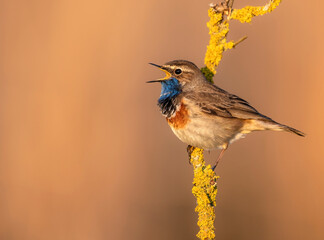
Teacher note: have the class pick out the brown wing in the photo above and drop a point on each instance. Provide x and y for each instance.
(216, 101)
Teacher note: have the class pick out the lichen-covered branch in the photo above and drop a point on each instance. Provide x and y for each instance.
(247, 13)
(220, 15)
(218, 30)
(205, 190)
(204, 183)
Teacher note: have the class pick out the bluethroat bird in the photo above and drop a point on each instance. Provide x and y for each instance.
(203, 115)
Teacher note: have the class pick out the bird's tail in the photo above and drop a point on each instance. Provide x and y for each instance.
(292, 130)
(269, 124)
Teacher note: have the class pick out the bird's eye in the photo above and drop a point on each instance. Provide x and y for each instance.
(178, 71)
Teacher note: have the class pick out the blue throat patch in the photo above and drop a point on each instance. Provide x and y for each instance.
(168, 101)
(170, 89)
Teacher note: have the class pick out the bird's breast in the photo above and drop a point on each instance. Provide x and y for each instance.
(180, 118)
(197, 129)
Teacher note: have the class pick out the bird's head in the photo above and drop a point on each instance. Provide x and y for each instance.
(179, 71)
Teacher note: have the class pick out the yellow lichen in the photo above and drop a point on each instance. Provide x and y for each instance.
(217, 43)
(247, 13)
(205, 190)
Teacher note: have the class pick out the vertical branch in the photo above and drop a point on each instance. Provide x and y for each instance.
(204, 182)
(205, 190)
(218, 29)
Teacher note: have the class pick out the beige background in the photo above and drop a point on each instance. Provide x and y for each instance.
(85, 153)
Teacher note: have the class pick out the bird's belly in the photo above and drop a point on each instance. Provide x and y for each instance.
(208, 133)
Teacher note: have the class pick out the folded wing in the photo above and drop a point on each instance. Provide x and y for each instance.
(216, 101)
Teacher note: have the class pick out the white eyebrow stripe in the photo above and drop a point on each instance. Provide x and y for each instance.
(184, 68)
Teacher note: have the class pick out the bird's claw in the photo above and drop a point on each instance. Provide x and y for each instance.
(189, 151)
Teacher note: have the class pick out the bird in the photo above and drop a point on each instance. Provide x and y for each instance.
(203, 115)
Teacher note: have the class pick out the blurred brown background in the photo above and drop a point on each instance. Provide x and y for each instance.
(85, 153)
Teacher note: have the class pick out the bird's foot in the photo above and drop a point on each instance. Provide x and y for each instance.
(189, 151)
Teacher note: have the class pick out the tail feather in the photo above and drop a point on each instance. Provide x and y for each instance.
(268, 124)
(293, 130)
(272, 125)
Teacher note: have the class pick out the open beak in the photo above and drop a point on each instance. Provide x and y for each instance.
(155, 65)
(168, 75)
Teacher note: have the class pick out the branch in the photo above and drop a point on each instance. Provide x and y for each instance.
(230, 3)
(224, 7)
(205, 190)
(239, 41)
(205, 180)
(247, 13)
